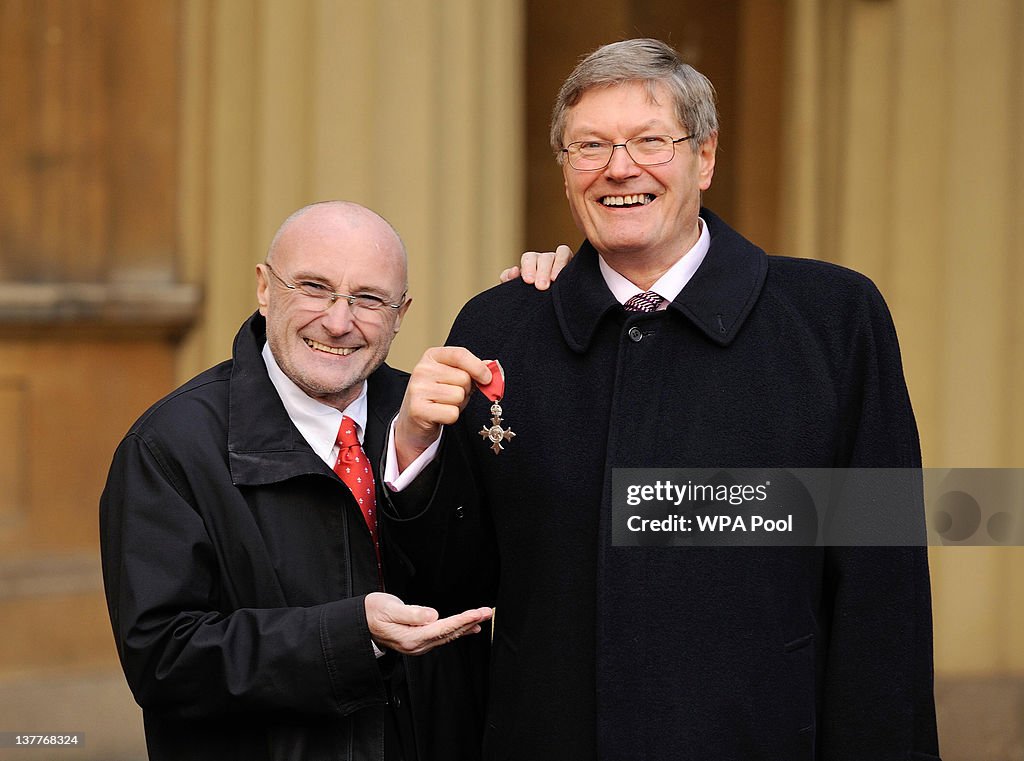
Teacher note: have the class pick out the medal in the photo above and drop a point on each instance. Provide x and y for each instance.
(494, 391)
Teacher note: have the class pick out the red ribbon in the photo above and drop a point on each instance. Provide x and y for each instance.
(494, 390)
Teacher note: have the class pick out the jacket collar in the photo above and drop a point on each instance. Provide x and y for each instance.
(717, 299)
(263, 444)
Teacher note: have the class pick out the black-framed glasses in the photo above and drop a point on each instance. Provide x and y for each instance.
(645, 150)
(317, 296)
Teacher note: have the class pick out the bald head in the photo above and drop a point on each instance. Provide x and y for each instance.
(333, 291)
(326, 218)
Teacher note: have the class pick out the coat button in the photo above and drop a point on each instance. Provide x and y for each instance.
(460, 512)
(636, 334)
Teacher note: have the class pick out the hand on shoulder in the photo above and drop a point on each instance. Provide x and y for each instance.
(539, 268)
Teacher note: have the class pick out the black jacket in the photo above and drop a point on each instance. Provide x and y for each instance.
(732, 654)
(235, 564)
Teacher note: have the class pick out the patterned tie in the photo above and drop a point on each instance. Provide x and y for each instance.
(643, 302)
(353, 468)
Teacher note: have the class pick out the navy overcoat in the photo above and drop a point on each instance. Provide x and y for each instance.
(690, 654)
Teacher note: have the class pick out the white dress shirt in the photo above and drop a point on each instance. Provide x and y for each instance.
(668, 285)
(317, 422)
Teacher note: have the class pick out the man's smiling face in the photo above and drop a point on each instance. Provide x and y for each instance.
(347, 249)
(636, 216)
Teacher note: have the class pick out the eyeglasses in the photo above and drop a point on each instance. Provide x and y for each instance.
(645, 150)
(318, 297)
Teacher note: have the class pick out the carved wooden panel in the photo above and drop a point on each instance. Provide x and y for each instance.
(88, 129)
(64, 404)
(91, 310)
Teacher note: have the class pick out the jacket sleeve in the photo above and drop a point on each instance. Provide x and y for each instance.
(183, 647)
(878, 698)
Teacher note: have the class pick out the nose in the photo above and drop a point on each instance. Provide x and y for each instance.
(621, 164)
(337, 320)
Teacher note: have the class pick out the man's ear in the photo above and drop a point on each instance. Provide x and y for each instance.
(262, 288)
(706, 157)
(401, 313)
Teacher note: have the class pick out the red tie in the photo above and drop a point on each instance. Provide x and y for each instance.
(353, 468)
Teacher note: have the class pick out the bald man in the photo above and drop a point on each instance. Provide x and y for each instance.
(243, 567)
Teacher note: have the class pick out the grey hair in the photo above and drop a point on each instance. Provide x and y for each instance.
(651, 62)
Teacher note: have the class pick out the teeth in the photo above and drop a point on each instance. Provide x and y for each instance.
(641, 199)
(340, 351)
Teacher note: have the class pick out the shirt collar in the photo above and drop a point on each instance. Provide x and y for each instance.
(717, 299)
(668, 285)
(317, 422)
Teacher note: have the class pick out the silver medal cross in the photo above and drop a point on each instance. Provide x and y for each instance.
(496, 434)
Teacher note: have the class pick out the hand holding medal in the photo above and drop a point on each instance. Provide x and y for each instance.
(439, 389)
(494, 391)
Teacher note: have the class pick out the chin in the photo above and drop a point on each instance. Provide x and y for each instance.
(622, 246)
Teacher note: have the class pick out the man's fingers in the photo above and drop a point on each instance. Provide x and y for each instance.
(412, 615)
(450, 629)
(449, 394)
(528, 266)
(414, 630)
(508, 274)
(542, 275)
(459, 358)
(387, 615)
(549, 264)
(444, 376)
(465, 619)
(452, 635)
(440, 383)
(540, 268)
(438, 391)
(563, 255)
